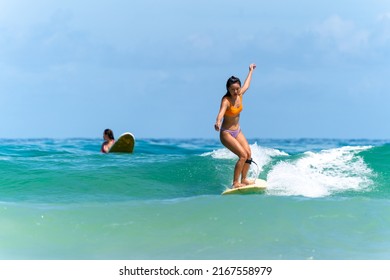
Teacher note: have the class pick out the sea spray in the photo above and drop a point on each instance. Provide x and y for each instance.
(316, 174)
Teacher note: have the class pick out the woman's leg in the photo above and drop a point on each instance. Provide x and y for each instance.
(244, 144)
(233, 145)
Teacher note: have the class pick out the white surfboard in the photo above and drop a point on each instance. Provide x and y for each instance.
(124, 144)
(257, 188)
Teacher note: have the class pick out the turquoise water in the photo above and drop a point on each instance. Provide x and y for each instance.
(62, 199)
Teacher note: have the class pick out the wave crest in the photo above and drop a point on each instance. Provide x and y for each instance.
(318, 174)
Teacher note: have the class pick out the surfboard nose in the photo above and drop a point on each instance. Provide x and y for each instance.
(124, 144)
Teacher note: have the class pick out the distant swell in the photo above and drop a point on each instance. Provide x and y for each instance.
(73, 170)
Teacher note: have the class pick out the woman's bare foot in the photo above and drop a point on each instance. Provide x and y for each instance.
(247, 182)
(237, 185)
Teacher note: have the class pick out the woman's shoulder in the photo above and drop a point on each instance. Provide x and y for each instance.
(225, 99)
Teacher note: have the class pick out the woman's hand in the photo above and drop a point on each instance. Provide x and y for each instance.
(252, 67)
(216, 126)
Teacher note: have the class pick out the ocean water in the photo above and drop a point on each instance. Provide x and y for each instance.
(63, 199)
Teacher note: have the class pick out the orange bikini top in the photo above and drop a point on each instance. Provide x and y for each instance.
(232, 111)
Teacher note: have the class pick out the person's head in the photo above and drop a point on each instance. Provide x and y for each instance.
(233, 86)
(109, 134)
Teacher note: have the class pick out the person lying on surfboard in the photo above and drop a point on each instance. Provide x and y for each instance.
(109, 140)
(231, 135)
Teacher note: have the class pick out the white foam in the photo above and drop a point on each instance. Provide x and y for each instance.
(321, 174)
(261, 155)
(222, 153)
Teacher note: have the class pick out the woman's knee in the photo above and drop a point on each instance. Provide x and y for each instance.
(248, 154)
(242, 157)
(245, 155)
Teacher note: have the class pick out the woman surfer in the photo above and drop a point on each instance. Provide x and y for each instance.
(109, 140)
(231, 135)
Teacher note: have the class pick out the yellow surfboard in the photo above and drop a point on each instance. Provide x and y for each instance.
(257, 188)
(124, 144)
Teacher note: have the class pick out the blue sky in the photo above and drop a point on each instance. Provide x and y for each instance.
(159, 68)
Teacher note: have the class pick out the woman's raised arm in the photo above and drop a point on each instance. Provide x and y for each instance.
(248, 79)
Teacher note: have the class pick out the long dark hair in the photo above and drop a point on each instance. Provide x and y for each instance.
(109, 133)
(230, 81)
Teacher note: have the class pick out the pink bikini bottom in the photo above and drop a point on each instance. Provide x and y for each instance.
(233, 133)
